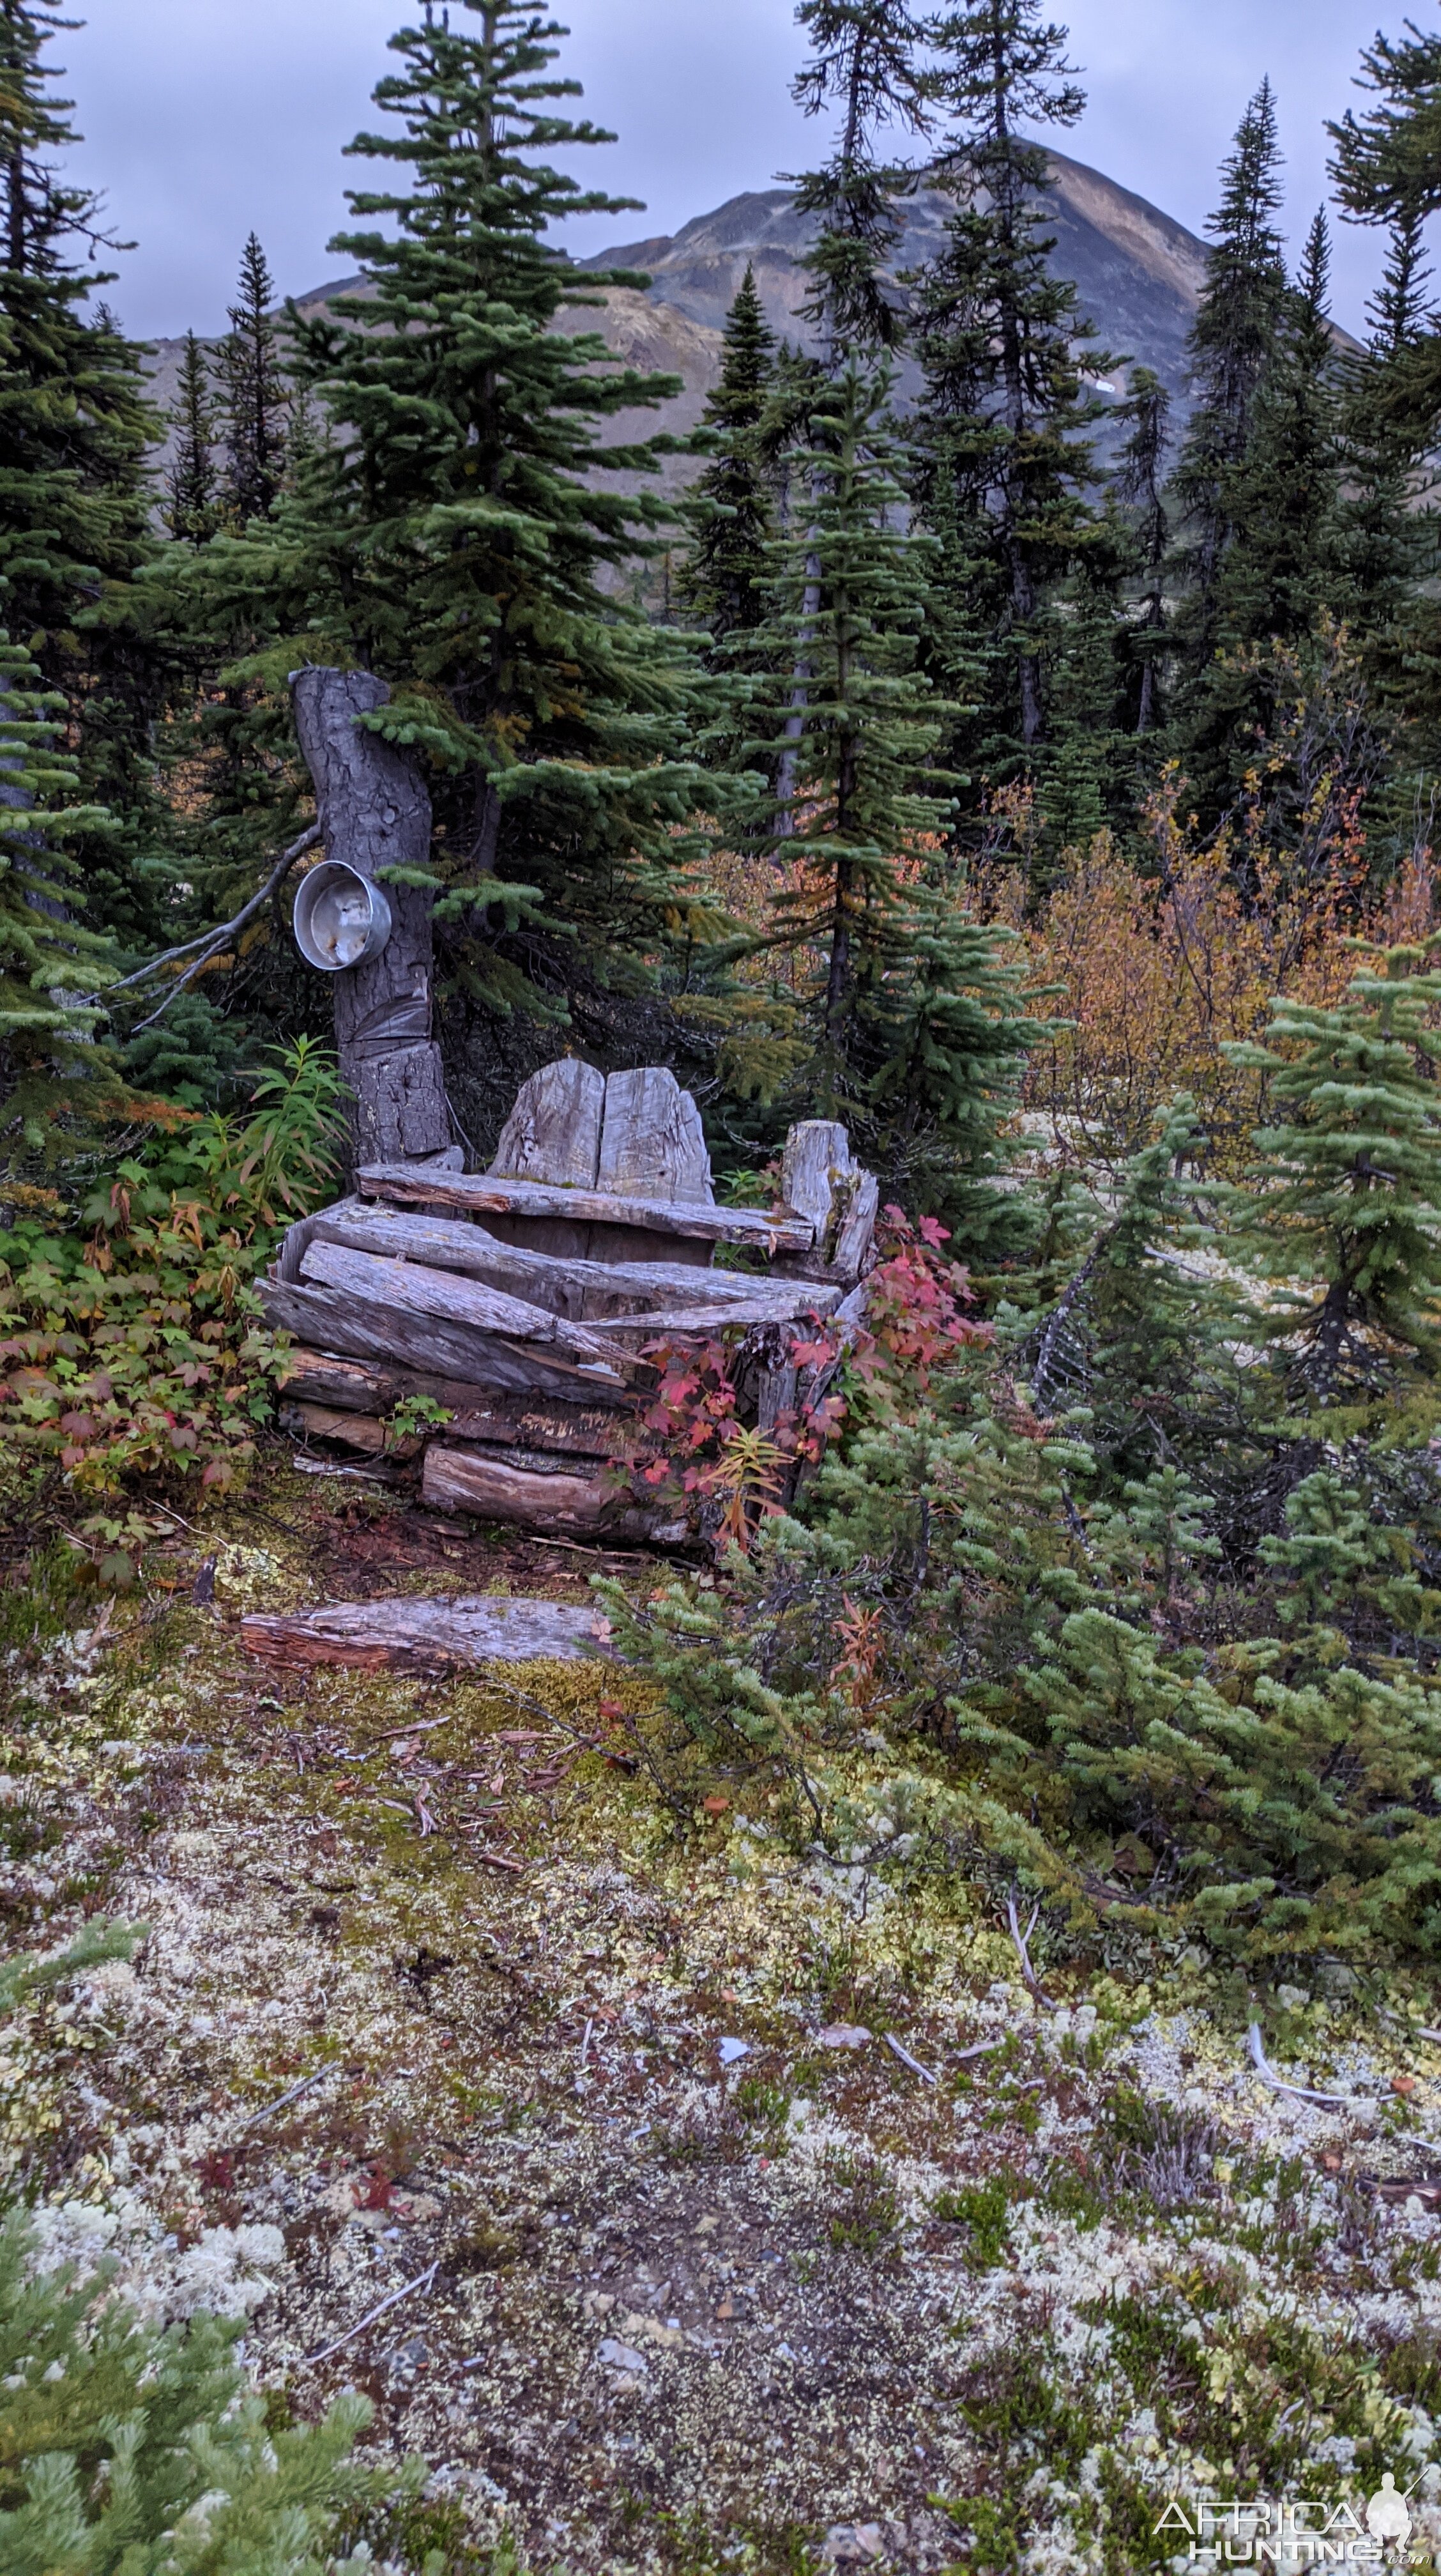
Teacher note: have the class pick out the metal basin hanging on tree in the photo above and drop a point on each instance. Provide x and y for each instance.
(341, 918)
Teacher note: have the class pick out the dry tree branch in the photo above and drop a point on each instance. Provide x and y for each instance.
(211, 942)
(1020, 1938)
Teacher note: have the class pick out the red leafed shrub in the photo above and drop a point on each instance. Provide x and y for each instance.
(915, 1302)
(699, 1445)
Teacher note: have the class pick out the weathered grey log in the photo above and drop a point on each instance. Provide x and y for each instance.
(380, 1636)
(821, 1178)
(553, 1132)
(330, 1380)
(817, 1154)
(375, 815)
(477, 1194)
(327, 1319)
(681, 1323)
(581, 1290)
(855, 1233)
(652, 1144)
(420, 1291)
(493, 1488)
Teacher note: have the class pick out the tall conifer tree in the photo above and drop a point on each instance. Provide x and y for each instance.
(1139, 485)
(1007, 468)
(74, 500)
(255, 404)
(192, 482)
(1232, 341)
(732, 511)
(450, 531)
(1281, 569)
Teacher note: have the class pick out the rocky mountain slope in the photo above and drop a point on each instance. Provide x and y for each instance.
(1139, 274)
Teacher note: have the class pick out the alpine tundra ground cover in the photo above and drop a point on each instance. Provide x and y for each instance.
(713, 2202)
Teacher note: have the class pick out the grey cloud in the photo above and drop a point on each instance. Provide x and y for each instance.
(205, 117)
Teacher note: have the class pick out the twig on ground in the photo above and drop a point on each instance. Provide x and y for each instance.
(422, 2281)
(904, 2054)
(1278, 2083)
(982, 2048)
(305, 2086)
(585, 2043)
(592, 1743)
(1020, 1938)
(498, 1860)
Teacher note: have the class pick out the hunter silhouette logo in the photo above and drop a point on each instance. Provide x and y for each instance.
(1388, 2516)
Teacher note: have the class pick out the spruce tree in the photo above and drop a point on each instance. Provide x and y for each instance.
(1387, 169)
(956, 1036)
(865, 69)
(75, 428)
(1232, 342)
(1281, 570)
(450, 531)
(1139, 485)
(846, 602)
(732, 510)
(1341, 1211)
(1006, 465)
(192, 514)
(50, 963)
(255, 402)
(843, 723)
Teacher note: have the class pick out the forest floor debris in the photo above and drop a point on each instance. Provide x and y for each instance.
(598, 2159)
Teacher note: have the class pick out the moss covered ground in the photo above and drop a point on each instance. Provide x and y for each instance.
(688, 2266)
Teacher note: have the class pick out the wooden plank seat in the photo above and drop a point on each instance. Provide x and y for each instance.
(480, 1194)
(524, 1300)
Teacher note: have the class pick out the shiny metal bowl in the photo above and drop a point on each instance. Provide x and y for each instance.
(341, 918)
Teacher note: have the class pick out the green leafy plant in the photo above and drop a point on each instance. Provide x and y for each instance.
(137, 1353)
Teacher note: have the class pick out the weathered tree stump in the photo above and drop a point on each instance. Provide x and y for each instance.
(375, 814)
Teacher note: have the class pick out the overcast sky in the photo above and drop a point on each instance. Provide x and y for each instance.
(204, 118)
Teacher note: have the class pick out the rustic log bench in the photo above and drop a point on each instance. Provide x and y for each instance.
(528, 1301)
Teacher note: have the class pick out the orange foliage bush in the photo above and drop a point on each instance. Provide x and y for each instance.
(1153, 978)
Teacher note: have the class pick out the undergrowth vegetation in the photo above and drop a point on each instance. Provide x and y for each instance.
(1137, 1580)
(133, 1361)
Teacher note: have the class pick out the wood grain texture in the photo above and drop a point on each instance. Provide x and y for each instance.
(375, 814)
(856, 1231)
(817, 1153)
(380, 1636)
(582, 1291)
(523, 1420)
(357, 1328)
(553, 1131)
(477, 1194)
(652, 1143)
(495, 1489)
(417, 1290)
(680, 1323)
(364, 1432)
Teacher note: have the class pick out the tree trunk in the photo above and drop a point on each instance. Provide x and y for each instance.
(375, 814)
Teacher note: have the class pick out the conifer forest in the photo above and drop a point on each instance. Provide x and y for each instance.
(782, 1911)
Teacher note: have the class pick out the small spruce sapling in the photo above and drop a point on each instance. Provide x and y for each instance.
(1341, 1212)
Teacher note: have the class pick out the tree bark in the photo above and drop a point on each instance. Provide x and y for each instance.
(375, 814)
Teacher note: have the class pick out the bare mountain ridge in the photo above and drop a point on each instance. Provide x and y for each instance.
(1139, 274)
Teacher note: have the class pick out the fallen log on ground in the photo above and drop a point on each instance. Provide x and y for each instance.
(387, 1636)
